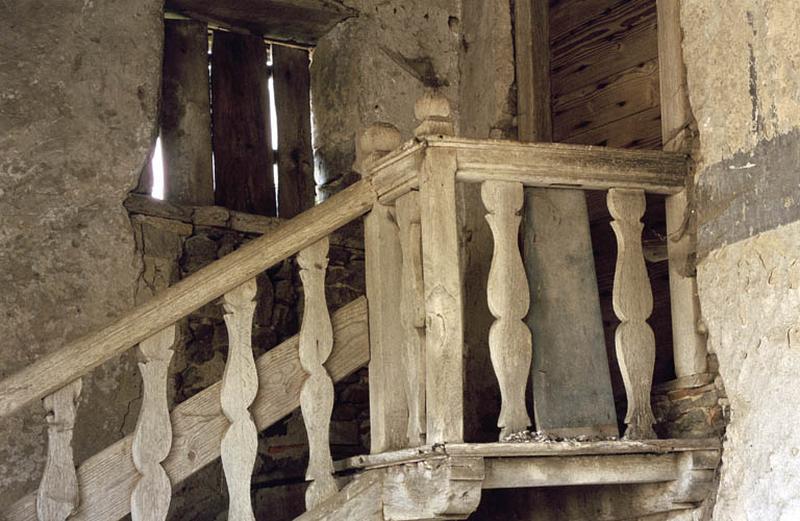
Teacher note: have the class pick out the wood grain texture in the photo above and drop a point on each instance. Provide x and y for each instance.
(152, 438)
(633, 304)
(508, 296)
(316, 398)
(532, 61)
(383, 264)
(291, 76)
(243, 155)
(444, 342)
(677, 122)
(58, 495)
(84, 354)
(359, 500)
(412, 314)
(107, 478)
(239, 388)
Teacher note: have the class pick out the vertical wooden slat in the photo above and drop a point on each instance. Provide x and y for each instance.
(292, 80)
(633, 303)
(58, 494)
(571, 380)
(316, 397)
(676, 119)
(185, 114)
(412, 314)
(444, 303)
(152, 438)
(239, 387)
(388, 412)
(508, 297)
(240, 118)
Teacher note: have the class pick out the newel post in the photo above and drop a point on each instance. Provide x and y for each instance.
(383, 261)
(444, 342)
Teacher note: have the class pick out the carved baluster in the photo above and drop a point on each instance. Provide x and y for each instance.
(58, 491)
(412, 314)
(152, 438)
(633, 303)
(239, 387)
(508, 296)
(316, 397)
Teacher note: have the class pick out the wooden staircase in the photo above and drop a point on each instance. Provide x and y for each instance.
(420, 467)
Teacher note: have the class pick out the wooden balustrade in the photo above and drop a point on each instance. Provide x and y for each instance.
(316, 398)
(58, 495)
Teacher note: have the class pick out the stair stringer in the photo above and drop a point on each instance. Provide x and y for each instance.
(361, 499)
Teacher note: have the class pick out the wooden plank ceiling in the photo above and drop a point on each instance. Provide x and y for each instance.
(298, 21)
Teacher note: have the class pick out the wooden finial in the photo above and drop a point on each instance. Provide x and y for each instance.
(432, 110)
(374, 142)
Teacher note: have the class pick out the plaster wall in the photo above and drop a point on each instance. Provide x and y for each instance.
(742, 59)
(79, 87)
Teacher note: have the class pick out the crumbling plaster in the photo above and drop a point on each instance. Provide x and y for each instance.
(742, 59)
(78, 95)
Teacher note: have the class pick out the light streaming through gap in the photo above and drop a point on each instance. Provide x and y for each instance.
(157, 165)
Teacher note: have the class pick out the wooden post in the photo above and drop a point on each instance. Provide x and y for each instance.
(186, 114)
(316, 397)
(152, 438)
(508, 296)
(239, 388)
(296, 186)
(633, 303)
(676, 119)
(412, 314)
(242, 147)
(383, 258)
(58, 495)
(571, 378)
(444, 303)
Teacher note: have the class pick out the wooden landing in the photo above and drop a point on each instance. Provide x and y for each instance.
(544, 464)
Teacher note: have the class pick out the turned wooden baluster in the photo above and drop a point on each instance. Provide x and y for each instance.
(152, 438)
(239, 387)
(508, 296)
(316, 397)
(412, 314)
(633, 303)
(58, 495)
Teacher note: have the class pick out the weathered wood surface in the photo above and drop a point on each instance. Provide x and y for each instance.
(152, 438)
(359, 500)
(107, 478)
(633, 304)
(689, 346)
(291, 76)
(58, 494)
(186, 114)
(84, 354)
(527, 472)
(239, 389)
(383, 265)
(302, 21)
(532, 49)
(243, 155)
(316, 398)
(508, 297)
(444, 339)
(412, 314)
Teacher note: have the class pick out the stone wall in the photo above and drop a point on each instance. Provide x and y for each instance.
(742, 59)
(79, 86)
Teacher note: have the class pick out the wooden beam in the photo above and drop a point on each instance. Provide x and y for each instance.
(532, 46)
(107, 478)
(579, 470)
(296, 185)
(186, 114)
(77, 358)
(243, 157)
(690, 350)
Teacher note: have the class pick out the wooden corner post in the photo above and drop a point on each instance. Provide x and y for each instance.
(383, 260)
(444, 308)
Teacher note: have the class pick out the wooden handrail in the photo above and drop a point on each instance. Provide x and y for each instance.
(77, 358)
